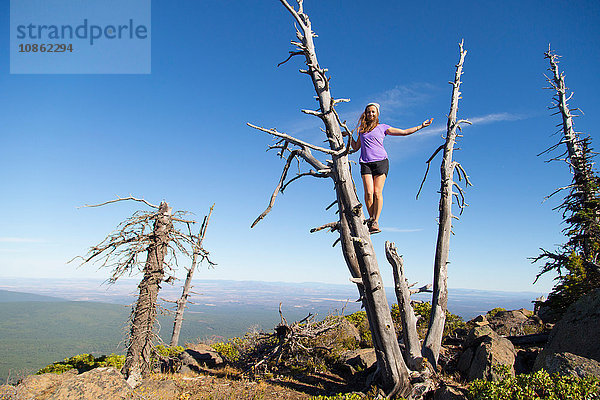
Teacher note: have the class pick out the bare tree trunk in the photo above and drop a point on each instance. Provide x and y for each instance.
(409, 320)
(393, 372)
(439, 305)
(578, 159)
(574, 150)
(182, 302)
(137, 362)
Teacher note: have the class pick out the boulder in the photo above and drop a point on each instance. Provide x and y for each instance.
(472, 340)
(40, 386)
(465, 359)
(483, 349)
(491, 352)
(198, 356)
(515, 323)
(547, 314)
(578, 332)
(357, 360)
(571, 364)
(97, 384)
(477, 335)
(8, 392)
(479, 320)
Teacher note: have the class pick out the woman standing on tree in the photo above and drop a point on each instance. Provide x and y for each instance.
(374, 164)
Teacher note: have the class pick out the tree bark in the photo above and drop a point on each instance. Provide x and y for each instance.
(575, 152)
(407, 314)
(137, 362)
(439, 304)
(182, 302)
(393, 372)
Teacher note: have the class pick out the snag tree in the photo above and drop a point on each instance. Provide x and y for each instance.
(198, 251)
(356, 244)
(148, 241)
(449, 190)
(577, 261)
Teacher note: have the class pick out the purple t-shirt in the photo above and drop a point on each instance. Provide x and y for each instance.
(371, 144)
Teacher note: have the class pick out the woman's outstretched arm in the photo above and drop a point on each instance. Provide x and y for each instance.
(409, 131)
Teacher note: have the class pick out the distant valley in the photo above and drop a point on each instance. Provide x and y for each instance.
(47, 320)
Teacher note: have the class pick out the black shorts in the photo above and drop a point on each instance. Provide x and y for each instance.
(375, 168)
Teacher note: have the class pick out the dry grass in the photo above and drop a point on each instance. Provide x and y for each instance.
(228, 383)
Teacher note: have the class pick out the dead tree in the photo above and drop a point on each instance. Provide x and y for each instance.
(150, 242)
(577, 262)
(354, 236)
(409, 319)
(187, 287)
(297, 344)
(584, 187)
(575, 154)
(439, 306)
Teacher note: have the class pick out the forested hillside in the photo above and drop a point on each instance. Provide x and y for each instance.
(36, 333)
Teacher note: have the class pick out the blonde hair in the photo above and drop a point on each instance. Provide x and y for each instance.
(363, 125)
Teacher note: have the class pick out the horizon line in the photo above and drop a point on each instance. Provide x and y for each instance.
(127, 279)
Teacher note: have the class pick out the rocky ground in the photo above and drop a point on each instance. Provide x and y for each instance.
(107, 383)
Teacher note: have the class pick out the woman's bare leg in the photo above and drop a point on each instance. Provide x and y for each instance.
(378, 182)
(368, 187)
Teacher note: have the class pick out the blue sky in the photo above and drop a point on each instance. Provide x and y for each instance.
(180, 134)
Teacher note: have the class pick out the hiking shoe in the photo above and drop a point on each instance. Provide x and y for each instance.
(374, 228)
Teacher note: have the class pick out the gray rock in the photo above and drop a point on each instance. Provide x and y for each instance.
(186, 370)
(571, 364)
(578, 332)
(8, 392)
(484, 349)
(97, 384)
(477, 334)
(358, 360)
(464, 362)
(40, 386)
(494, 350)
(198, 356)
(515, 323)
(548, 315)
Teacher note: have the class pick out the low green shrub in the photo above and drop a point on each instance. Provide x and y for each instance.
(359, 319)
(168, 351)
(492, 313)
(113, 360)
(83, 363)
(229, 350)
(423, 310)
(535, 386)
